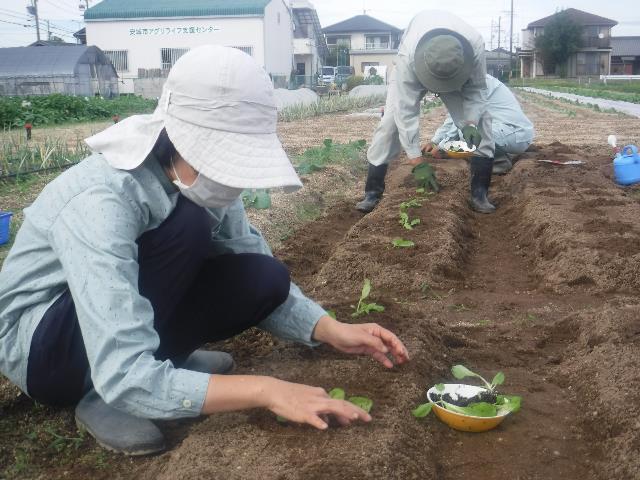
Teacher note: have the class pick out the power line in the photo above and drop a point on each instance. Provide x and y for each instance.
(63, 7)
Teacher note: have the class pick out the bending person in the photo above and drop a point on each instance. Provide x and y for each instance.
(512, 131)
(129, 262)
(442, 54)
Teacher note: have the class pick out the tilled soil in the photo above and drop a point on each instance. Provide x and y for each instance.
(543, 290)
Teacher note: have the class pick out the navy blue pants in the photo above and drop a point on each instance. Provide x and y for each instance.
(195, 300)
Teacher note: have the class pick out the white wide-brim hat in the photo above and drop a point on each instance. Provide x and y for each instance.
(219, 112)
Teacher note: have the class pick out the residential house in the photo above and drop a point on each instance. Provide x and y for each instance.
(144, 38)
(625, 57)
(362, 41)
(592, 59)
(309, 45)
(499, 62)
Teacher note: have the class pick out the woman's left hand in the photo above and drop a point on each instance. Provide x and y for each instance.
(364, 339)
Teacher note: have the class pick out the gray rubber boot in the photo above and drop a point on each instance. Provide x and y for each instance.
(480, 181)
(207, 361)
(502, 162)
(373, 189)
(115, 430)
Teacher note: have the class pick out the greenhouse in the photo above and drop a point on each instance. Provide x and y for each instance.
(68, 69)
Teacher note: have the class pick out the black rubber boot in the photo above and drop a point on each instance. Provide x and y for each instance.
(480, 181)
(502, 163)
(373, 189)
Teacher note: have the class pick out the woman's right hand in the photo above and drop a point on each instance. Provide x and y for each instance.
(304, 404)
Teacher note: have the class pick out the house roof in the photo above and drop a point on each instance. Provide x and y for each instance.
(578, 16)
(47, 61)
(361, 23)
(127, 9)
(625, 46)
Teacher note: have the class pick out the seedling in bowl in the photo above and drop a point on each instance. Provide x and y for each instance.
(469, 401)
(364, 308)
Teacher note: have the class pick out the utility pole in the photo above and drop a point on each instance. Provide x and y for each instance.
(511, 42)
(499, 32)
(48, 31)
(33, 10)
(491, 41)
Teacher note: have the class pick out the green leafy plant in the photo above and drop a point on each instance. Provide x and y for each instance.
(401, 243)
(425, 177)
(317, 158)
(364, 308)
(491, 404)
(337, 394)
(258, 199)
(407, 222)
(363, 402)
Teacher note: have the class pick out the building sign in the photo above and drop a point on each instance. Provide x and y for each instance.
(184, 30)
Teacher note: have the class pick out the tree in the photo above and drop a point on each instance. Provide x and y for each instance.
(562, 38)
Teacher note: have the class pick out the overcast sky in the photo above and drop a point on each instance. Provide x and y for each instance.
(65, 17)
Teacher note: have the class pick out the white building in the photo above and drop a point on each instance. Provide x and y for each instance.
(309, 45)
(144, 38)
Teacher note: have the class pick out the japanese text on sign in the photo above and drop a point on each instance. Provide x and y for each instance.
(172, 30)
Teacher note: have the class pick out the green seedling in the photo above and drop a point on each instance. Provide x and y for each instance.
(402, 243)
(364, 308)
(425, 177)
(406, 222)
(332, 314)
(413, 203)
(460, 372)
(428, 291)
(337, 394)
(363, 402)
(503, 403)
(258, 199)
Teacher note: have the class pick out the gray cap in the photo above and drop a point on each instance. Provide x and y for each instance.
(443, 61)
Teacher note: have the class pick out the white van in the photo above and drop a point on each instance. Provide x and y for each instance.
(328, 75)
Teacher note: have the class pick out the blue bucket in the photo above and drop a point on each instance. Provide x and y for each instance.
(5, 220)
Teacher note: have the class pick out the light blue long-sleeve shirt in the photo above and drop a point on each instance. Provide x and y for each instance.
(80, 234)
(409, 91)
(507, 117)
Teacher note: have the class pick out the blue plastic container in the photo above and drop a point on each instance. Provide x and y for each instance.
(626, 166)
(5, 220)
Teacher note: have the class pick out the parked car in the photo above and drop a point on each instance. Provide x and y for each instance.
(328, 75)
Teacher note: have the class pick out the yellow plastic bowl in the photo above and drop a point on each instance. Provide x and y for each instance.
(458, 144)
(458, 421)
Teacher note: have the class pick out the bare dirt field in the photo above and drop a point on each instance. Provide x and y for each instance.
(546, 290)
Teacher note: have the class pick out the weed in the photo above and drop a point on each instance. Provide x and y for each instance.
(308, 211)
(60, 442)
(459, 307)
(258, 199)
(427, 290)
(317, 158)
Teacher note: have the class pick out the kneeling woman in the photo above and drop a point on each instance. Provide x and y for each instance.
(129, 262)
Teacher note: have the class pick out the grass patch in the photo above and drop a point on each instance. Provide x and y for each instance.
(308, 211)
(625, 91)
(317, 158)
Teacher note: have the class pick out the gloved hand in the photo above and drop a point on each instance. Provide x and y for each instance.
(433, 150)
(471, 135)
(425, 175)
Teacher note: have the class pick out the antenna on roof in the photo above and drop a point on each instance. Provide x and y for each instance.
(364, 7)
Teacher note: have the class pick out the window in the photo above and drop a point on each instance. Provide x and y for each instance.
(588, 63)
(300, 68)
(170, 56)
(119, 59)
(376, 42)
(247, 50)
(339, 41)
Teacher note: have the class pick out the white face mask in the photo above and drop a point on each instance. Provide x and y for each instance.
(206, 192)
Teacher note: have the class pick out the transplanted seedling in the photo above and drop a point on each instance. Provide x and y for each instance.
(405, 221)
(487, 403)
(364, 308)
(402, 243)
(339, 394)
